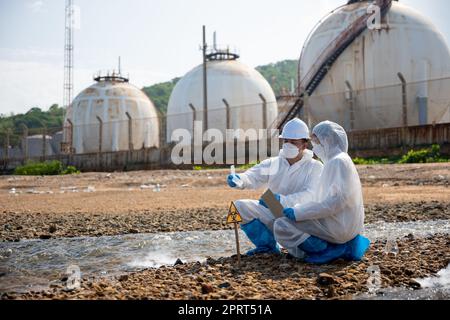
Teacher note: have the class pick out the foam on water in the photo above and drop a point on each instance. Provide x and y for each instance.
(442, 280)
(153, 260)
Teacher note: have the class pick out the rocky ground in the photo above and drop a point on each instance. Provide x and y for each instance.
(45, 225)
(266, 277)
(96, 204)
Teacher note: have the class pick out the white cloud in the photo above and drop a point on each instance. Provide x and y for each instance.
(37, 6)
(30, 53)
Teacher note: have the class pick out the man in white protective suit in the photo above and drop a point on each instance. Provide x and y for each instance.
(291, 176)
(327, 226)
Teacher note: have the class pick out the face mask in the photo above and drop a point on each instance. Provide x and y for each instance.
(319, 151)
(289, 151)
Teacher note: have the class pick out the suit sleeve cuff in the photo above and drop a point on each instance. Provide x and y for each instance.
(298, 213)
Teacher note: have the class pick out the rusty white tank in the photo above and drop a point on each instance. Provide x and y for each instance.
(367, 75)
(238, 98)
(111, 115)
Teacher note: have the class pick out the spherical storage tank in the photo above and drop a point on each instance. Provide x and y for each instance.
(366, 77)
(238, 98)
(104, 109)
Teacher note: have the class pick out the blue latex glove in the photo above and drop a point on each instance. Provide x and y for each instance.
(230, 181)
(289, 213)
(261, 201)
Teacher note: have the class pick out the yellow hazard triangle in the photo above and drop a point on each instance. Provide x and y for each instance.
(233, 214)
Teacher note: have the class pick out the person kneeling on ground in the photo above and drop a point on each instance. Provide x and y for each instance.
(328, 226)
(291, 176)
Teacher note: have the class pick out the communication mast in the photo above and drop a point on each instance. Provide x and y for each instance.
(68, 56)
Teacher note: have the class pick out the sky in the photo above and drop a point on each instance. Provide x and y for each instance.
(157, 40)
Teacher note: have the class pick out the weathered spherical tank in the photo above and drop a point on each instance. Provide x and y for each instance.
(366, 77)
(111, 115)
(238, 98)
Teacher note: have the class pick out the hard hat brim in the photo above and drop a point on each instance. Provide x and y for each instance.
(293, 138)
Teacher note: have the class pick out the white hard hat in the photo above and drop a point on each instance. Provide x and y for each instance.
(295, 129)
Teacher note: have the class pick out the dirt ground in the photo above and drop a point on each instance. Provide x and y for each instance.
(120, 203)
(96, 204)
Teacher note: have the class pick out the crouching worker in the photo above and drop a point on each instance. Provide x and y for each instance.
(328, 227)
(290, 176)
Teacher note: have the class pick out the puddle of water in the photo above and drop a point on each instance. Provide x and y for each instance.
(408, 294)
(35, 264)
(420, 229)
(433, 288)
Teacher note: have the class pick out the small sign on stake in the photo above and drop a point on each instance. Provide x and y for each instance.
(235, 218)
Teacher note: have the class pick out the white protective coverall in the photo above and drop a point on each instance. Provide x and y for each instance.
(335, 212)
(292, 183)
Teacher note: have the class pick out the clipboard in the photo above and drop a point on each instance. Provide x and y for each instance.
(274, 205)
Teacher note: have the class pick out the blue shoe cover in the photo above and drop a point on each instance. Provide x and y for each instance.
(353, 250)
(358, 248)
(261, 250)
(261, 237)
(313, 245)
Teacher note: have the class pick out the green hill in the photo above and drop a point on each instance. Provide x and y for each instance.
(160, 93)
(280, 74)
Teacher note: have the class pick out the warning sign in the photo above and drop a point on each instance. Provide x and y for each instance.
(233, 214)
(234, 217)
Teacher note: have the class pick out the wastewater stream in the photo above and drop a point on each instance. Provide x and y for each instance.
(36, 264)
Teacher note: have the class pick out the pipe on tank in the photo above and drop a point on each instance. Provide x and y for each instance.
(227, 106)
(349, 98)
(194, 116)
(404, 100)
(264, 111)
(130, 131)
(100, 134)
(422, 94)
